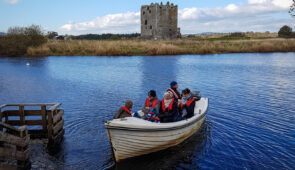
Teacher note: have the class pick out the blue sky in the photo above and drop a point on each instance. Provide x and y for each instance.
(117, 16)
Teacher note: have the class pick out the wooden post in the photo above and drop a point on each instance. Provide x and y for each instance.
(22, 114)
(25, 163)
(44, 121)
(0, 119)
(6, 117)
(50, 125)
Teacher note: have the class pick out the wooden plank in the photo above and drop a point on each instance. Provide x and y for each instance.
(22, 114)
(14, 140)
(2, 106)
(26, 112)
(44, 121)
(58, 138)
(7, 126)
(11, 153)
(26, 122)
(54, 107)
(58, 127)
(58, 116)
(50, 124)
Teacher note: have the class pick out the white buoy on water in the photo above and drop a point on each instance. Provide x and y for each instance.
(28, 64)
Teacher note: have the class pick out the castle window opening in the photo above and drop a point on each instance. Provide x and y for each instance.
(145, 22)
(151, 27)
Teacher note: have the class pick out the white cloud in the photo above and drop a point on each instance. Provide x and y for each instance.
(11, 1)
(257, 15)
(119, 23)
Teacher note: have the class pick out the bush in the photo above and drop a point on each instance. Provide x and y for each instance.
(285, 32)
(19, 39)
(237, 34)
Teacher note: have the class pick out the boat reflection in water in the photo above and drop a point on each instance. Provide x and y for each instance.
(183, 155)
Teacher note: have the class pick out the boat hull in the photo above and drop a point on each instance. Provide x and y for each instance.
(131, 141)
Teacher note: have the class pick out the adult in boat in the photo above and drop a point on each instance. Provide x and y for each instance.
(151, 103)
(173, 90)
(187, 105)
(124, 111)
(168, 108)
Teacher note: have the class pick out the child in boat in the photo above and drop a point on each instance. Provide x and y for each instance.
(124, 111)
(187, 105)
(150, 103)
(169, 108)
(152, 116)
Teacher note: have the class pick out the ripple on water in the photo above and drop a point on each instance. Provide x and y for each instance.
(249, 125)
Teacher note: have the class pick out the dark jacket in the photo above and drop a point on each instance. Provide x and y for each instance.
(189, 108)
(168, 115)
(176, 91)
(146, 111)
(121, 113)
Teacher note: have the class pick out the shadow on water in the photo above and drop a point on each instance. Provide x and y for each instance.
(181, 156)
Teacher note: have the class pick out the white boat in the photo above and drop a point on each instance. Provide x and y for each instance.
(131, 137)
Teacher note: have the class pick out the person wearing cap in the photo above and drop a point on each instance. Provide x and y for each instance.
(124, 111)
(187, 105)
(151, 103)
(173, 90)
(168, 108)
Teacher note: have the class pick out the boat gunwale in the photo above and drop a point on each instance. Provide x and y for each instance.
(109, 127)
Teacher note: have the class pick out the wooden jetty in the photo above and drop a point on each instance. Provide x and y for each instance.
(16, 131)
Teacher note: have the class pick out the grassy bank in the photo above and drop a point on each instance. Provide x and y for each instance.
(165, 47)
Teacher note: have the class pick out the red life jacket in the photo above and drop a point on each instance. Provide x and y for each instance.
(188, 103)
(127, 110)
(170, 105)
(148, 102)
(174, 93)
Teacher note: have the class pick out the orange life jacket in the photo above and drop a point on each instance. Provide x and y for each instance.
(188, 103)
(148, 102)
(127, 110)
(170, 105)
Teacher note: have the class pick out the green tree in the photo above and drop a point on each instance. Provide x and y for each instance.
(19, 39)
(292, 9)
(285, 31)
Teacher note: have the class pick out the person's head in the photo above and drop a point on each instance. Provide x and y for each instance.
(152, 94)
(174, 85)
(129, 104)
(186, 92)
(168, 95)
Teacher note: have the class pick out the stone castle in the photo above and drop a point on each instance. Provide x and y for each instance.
(159, 21)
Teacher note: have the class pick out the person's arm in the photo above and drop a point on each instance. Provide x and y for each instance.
(144, 110)
(117, 115)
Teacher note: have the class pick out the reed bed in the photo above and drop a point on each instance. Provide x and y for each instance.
(163, 47)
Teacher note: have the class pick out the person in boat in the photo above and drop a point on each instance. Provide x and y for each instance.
(151, 102)
(187, 105)
(173, 90)
(124, 111)
(169, 108)
(152, 116)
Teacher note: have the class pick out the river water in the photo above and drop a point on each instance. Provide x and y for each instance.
(250, 122)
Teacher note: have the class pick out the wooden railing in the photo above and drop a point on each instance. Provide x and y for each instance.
(51, 123)
(14, 145)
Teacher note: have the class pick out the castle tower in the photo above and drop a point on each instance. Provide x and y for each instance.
(159, 21)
